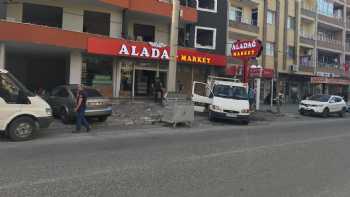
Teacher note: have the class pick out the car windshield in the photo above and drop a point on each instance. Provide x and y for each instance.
(12, 81)
(320, 98)
(89, 92)
(234, 92)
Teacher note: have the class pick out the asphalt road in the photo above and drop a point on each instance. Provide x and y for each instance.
(282, 159)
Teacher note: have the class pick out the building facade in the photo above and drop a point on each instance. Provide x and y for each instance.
(117, 46)
(306, 41)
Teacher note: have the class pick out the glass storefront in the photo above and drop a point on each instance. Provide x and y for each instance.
(97, 72)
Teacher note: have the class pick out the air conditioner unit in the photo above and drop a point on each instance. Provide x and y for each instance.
(294, 68)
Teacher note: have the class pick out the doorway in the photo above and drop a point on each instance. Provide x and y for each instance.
(144, 82)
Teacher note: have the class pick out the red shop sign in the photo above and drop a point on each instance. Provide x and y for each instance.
(246, 49)
(127, 48)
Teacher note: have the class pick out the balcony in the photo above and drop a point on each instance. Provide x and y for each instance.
(330, 68)
(245, 25)
(307, 38)
(333, 20)
(306, 66)
(308, 10)
(330, 44)
(347, 47)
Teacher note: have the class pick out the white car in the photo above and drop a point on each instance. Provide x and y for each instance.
(323, 105)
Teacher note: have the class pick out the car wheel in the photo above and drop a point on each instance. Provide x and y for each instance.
(246, 122)
(301, 112)
(325, 113)
(342, 113)
(102, 118)
(64, 116)
(22, 129)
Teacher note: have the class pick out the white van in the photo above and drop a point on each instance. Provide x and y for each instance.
(22, 113)
(223, 98)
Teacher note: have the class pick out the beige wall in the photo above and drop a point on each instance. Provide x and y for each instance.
(14, 11)
(73, 14)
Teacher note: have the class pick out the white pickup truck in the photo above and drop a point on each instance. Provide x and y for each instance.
(223, 98)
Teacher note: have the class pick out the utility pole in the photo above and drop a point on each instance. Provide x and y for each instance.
(173, 46)
(276, 52)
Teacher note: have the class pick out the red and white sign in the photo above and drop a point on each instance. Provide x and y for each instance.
(246, 49)
(326, 80)
(261, 73)
(126, 48)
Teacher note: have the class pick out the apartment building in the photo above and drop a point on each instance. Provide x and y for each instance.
(117, 46)
(307, 41)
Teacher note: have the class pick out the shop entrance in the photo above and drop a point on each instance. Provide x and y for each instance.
(144, 82)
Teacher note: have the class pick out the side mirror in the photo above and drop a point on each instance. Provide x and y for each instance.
(331, 101)
(211, 95)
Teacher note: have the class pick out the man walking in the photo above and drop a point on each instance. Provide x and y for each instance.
(80, 109)
(158, 88)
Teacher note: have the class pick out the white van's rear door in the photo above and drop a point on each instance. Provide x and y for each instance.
(200, 96)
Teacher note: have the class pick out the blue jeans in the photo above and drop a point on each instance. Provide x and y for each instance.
(81, 119)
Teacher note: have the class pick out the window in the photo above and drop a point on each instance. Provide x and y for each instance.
(97, 23)
(338, 99)
(291, 22)
(236, 14)
(270, 49)
(205, 37)
(8, 90)
(144, 33)
(42, 15)
(255, 16)
(291, 52)
(207, 5)
(270, 17)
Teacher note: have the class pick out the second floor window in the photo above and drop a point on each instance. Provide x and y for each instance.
(42, 15)
(97, 23)
(270, 49)
(205, 37)
(270, 17)
(291, 22)
(144, 33)
(207, 5)
(236, 14)
(291, 52)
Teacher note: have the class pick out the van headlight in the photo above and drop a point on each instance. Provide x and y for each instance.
(245, 111)
(217, 108)
(48, 111)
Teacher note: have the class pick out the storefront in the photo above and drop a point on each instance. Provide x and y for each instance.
(129, 69)
(295, 87)
(333, 86)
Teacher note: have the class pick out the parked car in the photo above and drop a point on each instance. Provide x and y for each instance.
(22, 113)
(63, 101)
(323, 105)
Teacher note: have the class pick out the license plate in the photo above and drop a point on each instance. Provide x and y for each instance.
(231, 115)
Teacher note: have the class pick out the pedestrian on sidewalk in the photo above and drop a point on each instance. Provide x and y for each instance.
(80, 109)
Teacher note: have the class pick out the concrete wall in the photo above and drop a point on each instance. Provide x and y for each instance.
(75, 68)
(73, 19)
(14, 12)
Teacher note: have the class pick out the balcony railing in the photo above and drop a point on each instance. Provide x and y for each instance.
(335, 20)
(244, 24)
(330, 44)
(307, 38)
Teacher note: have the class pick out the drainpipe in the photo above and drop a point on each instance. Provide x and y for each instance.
(276, 52)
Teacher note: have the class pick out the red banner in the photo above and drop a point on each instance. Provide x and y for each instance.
(246, 49)
(154, 51)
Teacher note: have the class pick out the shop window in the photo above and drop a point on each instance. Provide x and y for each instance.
(207, 5)
(205, 37)
(42, 15)
(97, 72)
(144, 33)
(97, 23)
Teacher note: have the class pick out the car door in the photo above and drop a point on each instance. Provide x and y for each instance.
(339, 103)
(59, 98)
(332, 105)
(201, 96)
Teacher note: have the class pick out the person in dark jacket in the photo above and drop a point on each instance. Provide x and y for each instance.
(80, 109)
(158, 89)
